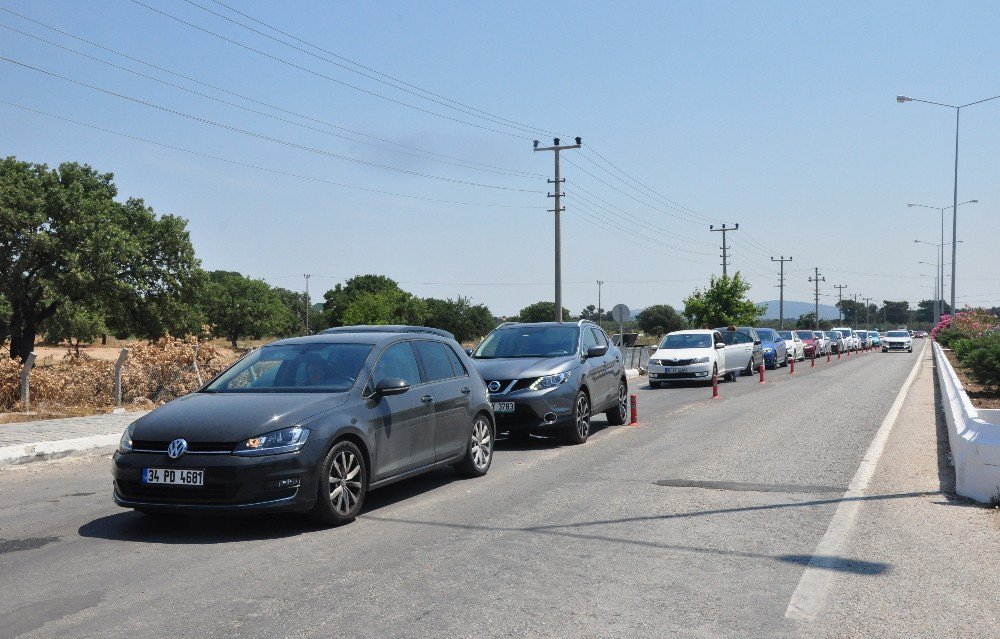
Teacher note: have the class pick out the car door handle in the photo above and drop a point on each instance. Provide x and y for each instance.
(427, 399)
(466, 390)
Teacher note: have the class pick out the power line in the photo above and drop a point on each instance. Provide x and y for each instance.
(261, 136)
(233, 93)
(259, 168)
(326, 77)
(388, 81)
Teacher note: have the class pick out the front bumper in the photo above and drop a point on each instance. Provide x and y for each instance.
(536, 410)
(232, 483)
(662, 373)
(897, 346)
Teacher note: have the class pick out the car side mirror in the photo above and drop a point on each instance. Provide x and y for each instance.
(720, 345)
(756, 342)
(390, 386)
(469, 352)
(597, 351)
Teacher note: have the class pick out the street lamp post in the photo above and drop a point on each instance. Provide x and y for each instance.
(938, 305)
(954, 216)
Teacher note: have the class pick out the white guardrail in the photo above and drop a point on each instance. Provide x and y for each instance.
(974, 436)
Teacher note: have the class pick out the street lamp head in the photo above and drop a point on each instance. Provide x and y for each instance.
(902, 98)
(535, 142)
(973, 202)
(910, 204)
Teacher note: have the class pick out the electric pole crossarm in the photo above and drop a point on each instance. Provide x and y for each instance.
(725, 250)
(816, 280)
(781, 286)
(556, 148)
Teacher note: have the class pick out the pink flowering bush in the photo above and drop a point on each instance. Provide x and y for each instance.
(972, 323)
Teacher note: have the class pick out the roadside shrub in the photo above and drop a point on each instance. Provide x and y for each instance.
(984, 362)
(10, 382)
(963, 347)
(948, 336)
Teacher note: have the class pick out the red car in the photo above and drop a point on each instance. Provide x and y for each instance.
(808, 342)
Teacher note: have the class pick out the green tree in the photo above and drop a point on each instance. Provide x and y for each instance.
(76, 324)
(808, 320)
(896, 313)
(724, 302)
(238, 307)
(65, 239)
(589, 313)
(341, 297)
(541, 312)
(659, 319)
(5, 313)
(392, 306)
(295, 302)
(466, 321)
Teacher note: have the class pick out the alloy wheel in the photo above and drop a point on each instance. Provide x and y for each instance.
(582, 416)
(622, 400)
(345, 482)
(482, 443)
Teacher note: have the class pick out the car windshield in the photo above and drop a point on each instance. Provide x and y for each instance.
(785, 334)
(899, 333)
(295, 368)
(861, 334)
(805, 335)
(687, 340)
(846, 332)
(529, 341)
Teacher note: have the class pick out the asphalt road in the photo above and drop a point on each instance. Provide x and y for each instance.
(697, 523)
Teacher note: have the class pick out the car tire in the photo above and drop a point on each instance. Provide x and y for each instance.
(479, 451)
(344, 465)
(749, 369)
(619, 414)
(580, 430)
(731, 376)
(910, 350)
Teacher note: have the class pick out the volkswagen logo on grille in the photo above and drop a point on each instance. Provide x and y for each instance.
(493, 386)
(177, 448)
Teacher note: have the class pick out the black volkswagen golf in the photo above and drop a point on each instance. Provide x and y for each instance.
(310, 424)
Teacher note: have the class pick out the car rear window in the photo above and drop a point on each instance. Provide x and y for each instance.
(899, 333)
(805, 334)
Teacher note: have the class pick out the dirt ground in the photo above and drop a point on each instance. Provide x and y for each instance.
(980, 397)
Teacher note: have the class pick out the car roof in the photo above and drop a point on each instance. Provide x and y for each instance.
(695, 331)
(388, 328)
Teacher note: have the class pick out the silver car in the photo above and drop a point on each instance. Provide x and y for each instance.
(552, 377)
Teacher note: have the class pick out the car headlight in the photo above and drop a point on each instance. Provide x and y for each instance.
(286, 440)
(549, 381)
(767, 350)
(701, 360)
(125, 445)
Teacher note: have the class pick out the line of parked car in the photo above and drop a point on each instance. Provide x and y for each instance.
(730, 351)
(311, 424)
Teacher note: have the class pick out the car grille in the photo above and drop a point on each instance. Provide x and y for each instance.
(505, 384)
(193, 447)
(676, 362)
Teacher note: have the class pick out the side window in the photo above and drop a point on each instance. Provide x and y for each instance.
(456, 363)
(602, 339)
(437, 366)
(589, 341)
(397, 361)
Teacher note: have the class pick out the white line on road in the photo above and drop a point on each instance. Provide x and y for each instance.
(826, 558)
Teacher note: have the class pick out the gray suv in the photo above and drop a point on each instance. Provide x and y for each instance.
(551, 377)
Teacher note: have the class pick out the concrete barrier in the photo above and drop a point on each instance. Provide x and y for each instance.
(974, 436)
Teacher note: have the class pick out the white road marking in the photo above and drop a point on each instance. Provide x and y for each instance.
(808, 598)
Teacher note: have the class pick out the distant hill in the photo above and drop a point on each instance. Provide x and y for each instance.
(794, 309)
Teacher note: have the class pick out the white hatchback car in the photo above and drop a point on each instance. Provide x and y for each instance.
(689, 356)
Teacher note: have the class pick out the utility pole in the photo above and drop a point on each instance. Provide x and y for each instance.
(725, 251)
(307, 276)
(599, 285)
(868, 313)
(556, 148)
(840, 298)
(817, 280)
(781, 286)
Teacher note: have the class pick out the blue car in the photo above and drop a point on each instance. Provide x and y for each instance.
(775, 351)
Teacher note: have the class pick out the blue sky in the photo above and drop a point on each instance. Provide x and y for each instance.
(778, 115)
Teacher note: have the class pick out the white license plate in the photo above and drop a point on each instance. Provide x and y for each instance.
(173, 476)
(673, 370)
(503, 407)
